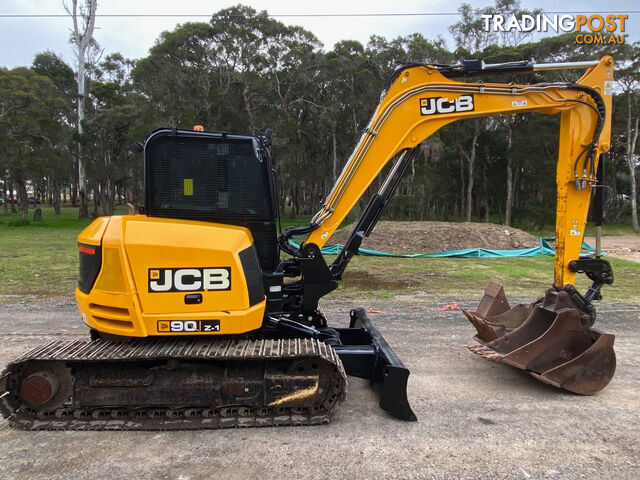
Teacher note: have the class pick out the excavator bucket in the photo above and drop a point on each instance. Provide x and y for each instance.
(554, 343)
(494, 317)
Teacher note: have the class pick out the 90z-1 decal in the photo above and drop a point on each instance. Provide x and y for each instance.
(188, 326)
(439, 105)
(196, 279)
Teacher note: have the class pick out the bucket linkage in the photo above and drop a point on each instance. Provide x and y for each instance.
(552, 338)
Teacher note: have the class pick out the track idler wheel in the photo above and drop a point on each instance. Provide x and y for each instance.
(44, 387)
(555, 344)
(39, 387)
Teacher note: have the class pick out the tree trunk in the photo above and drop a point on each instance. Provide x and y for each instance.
(471, 159)
(486, 195)
(355, 123)
(462, 190)
(24, 201)
(48, 195)
(105, 189)
(96, 203)
(335, 152)
(4, 194)
(632, 138)
(510, 178)
(82, 40)
(247, 106)
(56, 196)
(82, 179)
(11, 197)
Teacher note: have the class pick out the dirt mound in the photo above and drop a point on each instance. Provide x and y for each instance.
(431, 237)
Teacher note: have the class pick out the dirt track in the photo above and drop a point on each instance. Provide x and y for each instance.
(626, 247)
(476, 419)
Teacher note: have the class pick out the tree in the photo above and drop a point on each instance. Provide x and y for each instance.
(31, 118)
(629, 81)
(469, 33)
(84, 18)
(59, 167)
(245, 72)
(107, 138)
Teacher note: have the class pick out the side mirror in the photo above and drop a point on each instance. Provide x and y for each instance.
(137, 147)
(268, 137)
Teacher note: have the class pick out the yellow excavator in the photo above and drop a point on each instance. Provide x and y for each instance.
(202, 316)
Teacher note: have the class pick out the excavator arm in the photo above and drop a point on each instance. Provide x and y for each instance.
(551, 338)
(421, 99)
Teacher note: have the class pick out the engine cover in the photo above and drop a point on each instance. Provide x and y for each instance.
(158, 276)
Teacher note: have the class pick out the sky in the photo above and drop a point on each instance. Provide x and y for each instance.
(22, 38)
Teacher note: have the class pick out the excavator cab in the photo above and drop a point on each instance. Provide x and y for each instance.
(212, 177)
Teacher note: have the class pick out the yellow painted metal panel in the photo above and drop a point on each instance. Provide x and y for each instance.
(137, 248)
(92, 234)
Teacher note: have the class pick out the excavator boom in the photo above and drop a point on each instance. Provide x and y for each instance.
(421, 99)
(543, 339)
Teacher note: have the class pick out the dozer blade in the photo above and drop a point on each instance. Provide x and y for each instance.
(556, 345)
(366, 354)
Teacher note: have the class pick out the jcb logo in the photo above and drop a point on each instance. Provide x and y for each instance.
(189, 279)
(437, 105)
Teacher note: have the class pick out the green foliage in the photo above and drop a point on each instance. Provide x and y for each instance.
(245, 72)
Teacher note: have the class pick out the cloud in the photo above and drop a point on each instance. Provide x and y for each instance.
(22, 38)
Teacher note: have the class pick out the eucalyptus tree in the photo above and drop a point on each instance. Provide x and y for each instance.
(84, 18)
(59, 167)
(31, 119)
(629, 82)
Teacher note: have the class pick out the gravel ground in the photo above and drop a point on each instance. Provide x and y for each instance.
(476, 419)
(626, 247)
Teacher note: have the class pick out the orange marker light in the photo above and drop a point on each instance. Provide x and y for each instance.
(198, 128)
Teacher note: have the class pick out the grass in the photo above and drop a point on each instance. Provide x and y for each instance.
(608, 229)
(41, 258)
(466, 278)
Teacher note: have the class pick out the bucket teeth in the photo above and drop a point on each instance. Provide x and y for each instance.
(550, 339)
(486, 353)
(485, 331)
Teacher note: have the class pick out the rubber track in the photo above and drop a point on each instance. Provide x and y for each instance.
(145, 418)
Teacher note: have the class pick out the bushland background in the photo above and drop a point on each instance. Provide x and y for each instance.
(244, 72)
